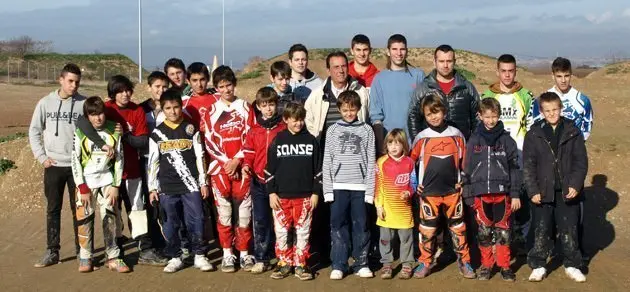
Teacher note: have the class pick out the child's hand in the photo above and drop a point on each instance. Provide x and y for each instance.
(49, 162)
(536, 199)
(458, 186)
(85, 199)
(118, 129)
(420, 189)
(205, 192)
(405, 195)
(246, 171)
(274, 201)
(380, 212)
(230, 166)
(153, 196)
(109, 150)
(572, 193)
(112, 195)
(314, 201)
(516, 204)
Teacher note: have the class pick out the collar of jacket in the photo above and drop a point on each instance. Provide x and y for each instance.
(496, 88)
(352, 84)
(354, 123)
(431, 80)
(568, 133)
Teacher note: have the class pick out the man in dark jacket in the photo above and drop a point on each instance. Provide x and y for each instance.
(457, 93)
(555, 166)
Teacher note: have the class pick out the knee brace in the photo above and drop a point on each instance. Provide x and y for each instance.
(502, 236)
(484, 235)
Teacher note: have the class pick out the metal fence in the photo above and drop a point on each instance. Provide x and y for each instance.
(20, 71)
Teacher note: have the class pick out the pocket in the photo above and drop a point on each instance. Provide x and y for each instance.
(362, 171)
(501, 167)
(338, 169)
(476, 169)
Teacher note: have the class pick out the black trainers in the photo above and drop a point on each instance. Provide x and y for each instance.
(152, 258)
(508, 275)
(49, 258)
(484, 274)
(282, 271)
(303, 273)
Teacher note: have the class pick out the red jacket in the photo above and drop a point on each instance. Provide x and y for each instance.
(366, 78)
(256, 144)
(133, 122)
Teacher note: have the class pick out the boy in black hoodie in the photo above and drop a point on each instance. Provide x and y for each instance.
(555, 166)
(293, 176)
(492, 184)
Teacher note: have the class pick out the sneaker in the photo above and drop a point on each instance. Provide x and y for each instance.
(227, 264)
(247, 263)
(406, 272)
(421, 271)
(336, 275)
(467, 271)
(537, 275)
(508, 275)
(85, 265)
(49, 258)
(484, 274)
(186, 257)
(117, 265)
(282, 271)
(202, 263)
(260, 268)
(365, 272)
(174, 265)
(151, 257)
(575, 274)
(386, 271)
(303, 273)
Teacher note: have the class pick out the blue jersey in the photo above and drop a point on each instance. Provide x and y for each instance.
(576, 106)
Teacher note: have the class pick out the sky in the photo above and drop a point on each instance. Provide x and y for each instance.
(191, 29)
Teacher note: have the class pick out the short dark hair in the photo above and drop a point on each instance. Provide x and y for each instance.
(198, 68)
(157, 75)
(434, 102)
(223, 73)
(350, 98)
(171, 94)
(360, 39)
(561, 64)
(548, 97)
(70, 68)
(118, 84)
(490, 104)
(297, 48)
(396, 38)
(294, 110)
(266, 94)
(444, 49)
(506, 59)
(333, 55)
(174, 63)
(93, 105)
(280, 68)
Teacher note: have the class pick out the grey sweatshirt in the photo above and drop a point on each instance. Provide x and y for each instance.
(52, 127)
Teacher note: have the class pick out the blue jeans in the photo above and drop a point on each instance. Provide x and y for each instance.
(190, 205)
(263, 223)
(352, 201)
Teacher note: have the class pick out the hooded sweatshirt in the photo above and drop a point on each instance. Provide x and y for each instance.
(515, 109)
(303, 88)
(366, 77)
(52, 127)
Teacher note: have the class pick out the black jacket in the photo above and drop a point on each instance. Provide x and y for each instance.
(491, 167)
(462, 103)
(539, 161)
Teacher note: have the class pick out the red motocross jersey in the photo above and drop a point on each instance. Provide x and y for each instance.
(197, 106)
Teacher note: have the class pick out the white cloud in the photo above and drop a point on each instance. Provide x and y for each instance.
(626, 12)
(154, 32)
(598, 19)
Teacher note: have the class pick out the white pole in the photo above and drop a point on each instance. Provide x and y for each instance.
(223, 33)
(139, 41)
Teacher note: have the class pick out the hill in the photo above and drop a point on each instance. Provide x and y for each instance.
(620, 70)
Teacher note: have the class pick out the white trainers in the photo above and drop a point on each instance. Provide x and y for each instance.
(365, 272)
(336, 275)
(575, 274)
(259, 268)
(227, 264)
(537, 274)
(174, 265)
(202, 263)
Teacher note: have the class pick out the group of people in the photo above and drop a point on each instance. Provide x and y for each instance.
(392, 153)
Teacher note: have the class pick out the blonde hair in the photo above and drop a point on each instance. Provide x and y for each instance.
(399, 136)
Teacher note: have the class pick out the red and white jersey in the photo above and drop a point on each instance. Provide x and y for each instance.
(226, 128)
(197, 106)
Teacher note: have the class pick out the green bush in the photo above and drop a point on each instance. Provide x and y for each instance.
(12, 137)
(6, 165)
(251, 75)
(470, 76)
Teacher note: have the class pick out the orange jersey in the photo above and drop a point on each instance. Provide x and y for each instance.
(392, 178)
(439, 157)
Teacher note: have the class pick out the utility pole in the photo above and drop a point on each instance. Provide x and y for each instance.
(139, 41)
(223, 33)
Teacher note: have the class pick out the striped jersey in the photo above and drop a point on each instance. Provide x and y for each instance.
(90, 164)
(575, 106)
(394, 176)
(176, 164)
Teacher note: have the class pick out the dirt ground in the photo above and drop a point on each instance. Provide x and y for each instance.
(22, 223)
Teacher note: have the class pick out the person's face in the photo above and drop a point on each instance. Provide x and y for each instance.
(562, 80)
(444, 63)
(397, 53)
(294, 126)
(198, 83)
(338, 70)
(267, 108)
(361, 53)
(299, 62)
(157, 88)
(176, 75)
(394, 148)
(123, 98)
(280, 83)
(97, 120)
(348, 112)
(172, 110)
(69, 83)
(433, 119)
(489, 119)
(226, 89)
(506, 73)
(551, 111)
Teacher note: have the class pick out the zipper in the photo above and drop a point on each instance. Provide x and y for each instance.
(488, 169)
(476, 169)
(555, 166)
(501, 167)
(338, 168)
